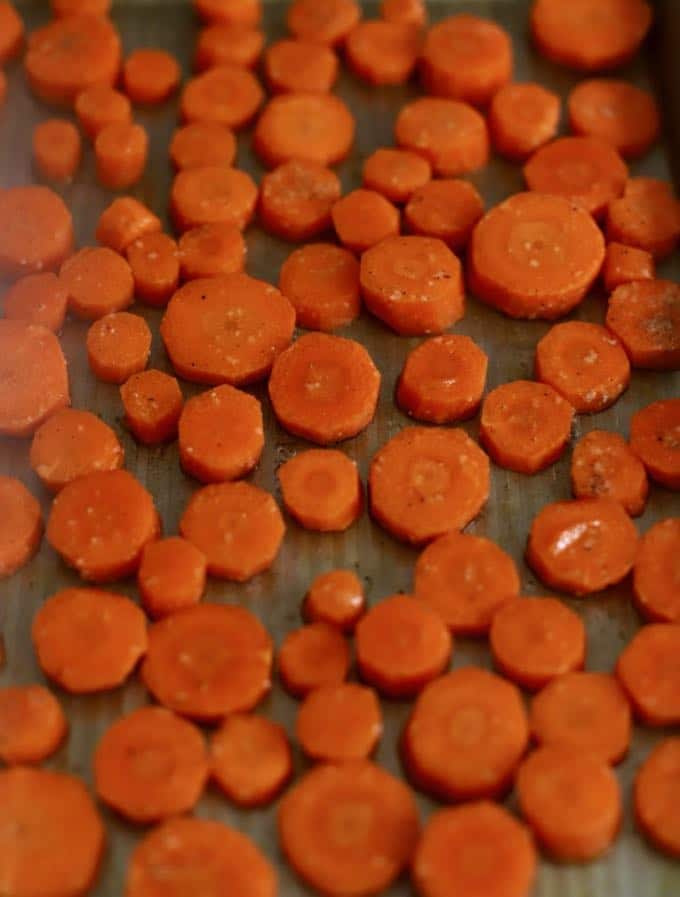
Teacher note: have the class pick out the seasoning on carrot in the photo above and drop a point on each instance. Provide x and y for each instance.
(210, 250)
(313, 656)
(626, 264)
(396, 173)
(99, 282)
(383, 52)
(57, 149)
(364, 218)
(37, 299)
(150, 76)
(522, 118)
(37, 231)
(321, 490)
(202, 143)
(123, 222)
(295, 65)
(120, 153)
(654, 586)
(620, 113)
(154, 262)
(32, 724)
(212, 194)
(152, 401)
(447, 209)
(647, 217)
(645, 316)
(99, 106)
(337, 598)
(225, 44)
(21, 526)
(230, 12)
(328, 24)
(337, 723)
(604, 466)
(321, 280)
(655, 439)
(225, 95)
(655, 796)
(11, 31)
(408, 12)
(118, 346)
(171, 576)
(296, 199)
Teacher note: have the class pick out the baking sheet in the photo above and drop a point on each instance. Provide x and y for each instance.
(630, 869)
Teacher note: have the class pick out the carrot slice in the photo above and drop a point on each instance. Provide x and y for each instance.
(171, 576)
(211, 249)
(647, 217)
(645, 316)
(237, 526)
(118, 346)
(32, 724)
(402, 645)
(20, 527)
(152, 401)
(123, 222)
(57, 149)
(364, 218)
(250, 759)
(451, 135)
(99, 106)
(37, 231)
(408, 12)
(87, 640)
(604, 466)
(313, 127)
(255, 324)
(37, 299)
(324, 388)
(383, 52)
(313, 656)
(321, 490)
(54, 837)
(100, 523)
(336, 723)
(447, 209)
(208, 661)
(150, 765)
(571, 800)
(655, 796)
(202, 143)
(154, 262)
(654, 439)
(150, 76)
(329, 23)
(647, 669)
(395, 173)
(582, 546)
(321, 280)
(212, 194)
(225, 95)
(224, 44)
(121, 150)
(33, 377)
(230, 12)
(336, 598)
(626, 264)
(358, 818)
(296, 199)
(12, 31)
(654, 586)
(522, 118)
(295, 65)
(616, 111)
(99, 282)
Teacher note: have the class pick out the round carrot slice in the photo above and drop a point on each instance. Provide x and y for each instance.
(313, 127)
(226, 329)
(616, 111)
(150, 76)
(648, 670)
(71, 444)
(121, 151)
(211, 250)
(364, 218)
(348, 829)
(313, 656)
(100, 523)
(57, 149)
(336, 598)
(408, 12)
(224, 95)
(604, 466)
(202, 143)
(152, 401)
(321, 280)
(98, 281)
(212, 194)
(20, 526)
(295, 65)
(329, 23)
(250, 759)
(383, 52)
(230, 12)
(150, 765)
(118, 346)
(37, 299)
(451, 135)
(395, 173)
(582, 546)
(655, 439)
(626, 264)
(446, 209)
(54, 837)
(336, 723)
(654, 578)
(647, 217)
(99, 106)
(33, 377)
(37, 232)
(32, 724)
(523, 117)
(154, 262)
(401, 646)
(321, 490)
(645, 316)
(656, 798)
(62, 8)
(12, 31)
(296, 199)
(535, 256)
(87, 640)
(171, 576)
(238, 527)
(571, 800)
(125, 221)
(225, 44)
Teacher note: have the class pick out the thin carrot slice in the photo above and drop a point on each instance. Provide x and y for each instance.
(324, 388)
(358, 818)
(87, 640)
(152, 401)
(33, 377)
(54, 837)
(118, 346)
(212, 194)
(329, 23)
(225, 95)
(383, 52)
(210, 250)
(654, 574)
(32, 724)
(446, 209)
(648, 670)
(604, 466)
(225, 44)
(123, 222)
(154, 261)
(37, 299)
(647, 217)
(402, 645)
(230, 12)
(620, 113)
(655, 796)
(99, 282)
(451, 135)
(296, 199)
(37, 231)
(99, 106)
(100, 523)
(571, 800)
(522, 118)
(364, 218)
(582, 546)
(255, 324)
(20, 526)
(313, 656)
(250, 759)
(57, 149)
(655, 439)
(321, 280)
(202, 143)
(336, 598)
(12, 31)
(626, 264)
(321, 490)
(295, 65)
(171, 576)
(408, 12)
(121, 151)
(336, 723)
(150, 76)
(395, 173)
(150, 765)
(208, 661)
(237, 526)
(645, 316)
(62, 8)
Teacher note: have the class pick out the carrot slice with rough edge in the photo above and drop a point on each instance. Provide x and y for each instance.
(383, 52)
(336, 723)
(152, 401)
(70, 444)
(654, 575)
(226, 329)
(327, 23)
(296, 199)
(250, 759)
(62, 8)
(12, 31)
(99, 106)
(655, 439)
(210, 250)
(118, 346)
(313, 127)
(655, 796)
(313, 656)
(401, 645)
(590, 35)
(348, 829)
(202, 143)
(37, 299)
(225, 44)
(324, 388)
(57, 149)
(21, 526)
(150, 765)
(648, 670)
(230, 12)
(465, 736)
(87, 640)
(154, 261)
(582, 546)
(626, 264)
(395, 173)
(99, 282)
(212, 194)
(321, 280)
(37, 231)
(225, 95)
(571, 800)
(620, 113)
(647, 217)
(645, 316)
(121, 151)
(32, 724)
(465, 579)
(295, 65)
(33, 377)
(54, 838)
(208, 661)
(451, 135)
(604, 466)
(100, 523)
(523, 117)
(446, 209)
(364, 218)
(237, 526)
(150, 76)
(321, 490)
(408, 12)
(336, 598)
(123, 222)
(171, 576)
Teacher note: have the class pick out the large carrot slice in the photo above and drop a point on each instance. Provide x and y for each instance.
(202, 143)
(327, 24)
(395, 173)
(620, 113)
(295, 65)
(150, 76)
(336, 723)
(32, 724)
(654, 579)
(212, 194)
(654, 439)
(57, 149)
(211, 250)
(645, 316)
(522, 118)
(648, 671)
(383, 52)
(37, 231)
(171, 576)
(363, 218)
(446, 209)
(118, 346)
(12, 31)
(99, 106)
(311, 657)
(224, 44)
(408, 12)
(296, 199)
(124, 221)
(152, 401)
(604, 466)
(37, 299)
(337, 598)
(154, 263)
(625, 264)
(99, 281)
(225, 95)
(321, 280)
(20, 526)
(655, 796)
(321, 490)
(230, 12)
(647, 217)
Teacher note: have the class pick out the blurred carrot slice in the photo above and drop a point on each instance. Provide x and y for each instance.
(202, 143)
(382, 52)
(230, 12)
(121, 151)
(654, 590)
(295, 65)
(311, 657)
(522, 118)
(655, 796)
(171, 576)
(648, 671)
(329, 23)
(37, 231)
(212, 194)
(99, 282)
(99, 106)
(225, 95)
(321, 280)
(620, 113)
(210, 250)
(124, 221)
(20, 527)
(397, 174)
(645, 316)
(321, 490)
(604, 466)
(296, 199)
(647, 217)
(150, 76)
(626, 264)
(654, 439)
(11, 31)
(224, 44)
(37, 299)
(336, 598)
(152, 401)
(364, 218)
(154, 263)
(57, 149)
(337, 723)
(445, 209)
(32, 724)
(408, 12)
(118, 346)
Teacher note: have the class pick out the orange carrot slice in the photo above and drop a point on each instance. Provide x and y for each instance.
(150, 76)
(98, 282)
(408, 12)
(37, 233)
(99, 106)
(647, 217)
(118, 346)
(321, 490)
(447, 209)
(383, 52)
(336, 598)
(654, 439)
(655, 798)
(604, 466)
(328, 24)
(295, 65)
(202, 143)
(225, 44)
(20, 528)
(121, 151)
(395, 173)
(225, 95)
(211, 250)
(336, 723)
(37, 299)
(522, 118)
(12, 30)
(32, 724)
(313, 656)
(212, 194)
(154, 262)
(296, 199)
(647, 669)
(57, 149)
(125, 221)
(626, 264)
(654, 589)
(363, 218)
(152, 401)
(230, 12)
(321, 280)
(171, 576)
(620, 113)
(645, 316)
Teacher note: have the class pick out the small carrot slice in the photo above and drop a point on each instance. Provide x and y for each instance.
(655, 796)
(212, 194)
(620, 113)
(202, 143)
(525, 425)
(582, 546)
(647, 669)
(208, 661)
(311, 657)
(37, 299)
(383, 52)
(230, 12)
(408, 12)
(395, 173)
(32, 724)
(654, 439)
(154, 262)
(118, 346)
(87, 640)
(100, 523)
(571, 800)
(123, 222)
(210, 250)
(321, 490)
(522, 118)
(171, 576)
(238, 527)
(296, 199)
(150, 765)
(364, 218)
(359, 818)
(295, 65)
(98, 281)
(225, 95)
(37, 231)
(446, 209)
(150, 76)
(99, 106)
(250, 759)
(647, 217)
(654, 578)
(626, 264)
(336, 598)
(12, 31)
(57, 149)
(604, 466)
(328, 24)
(645, 316)
(20, 526)
(321, 280)
(121, 151)
(225, 44)
(337, 723)
(152, 401)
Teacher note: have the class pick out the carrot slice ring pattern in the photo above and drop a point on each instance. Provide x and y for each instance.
(338, 723)
(321, 489)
